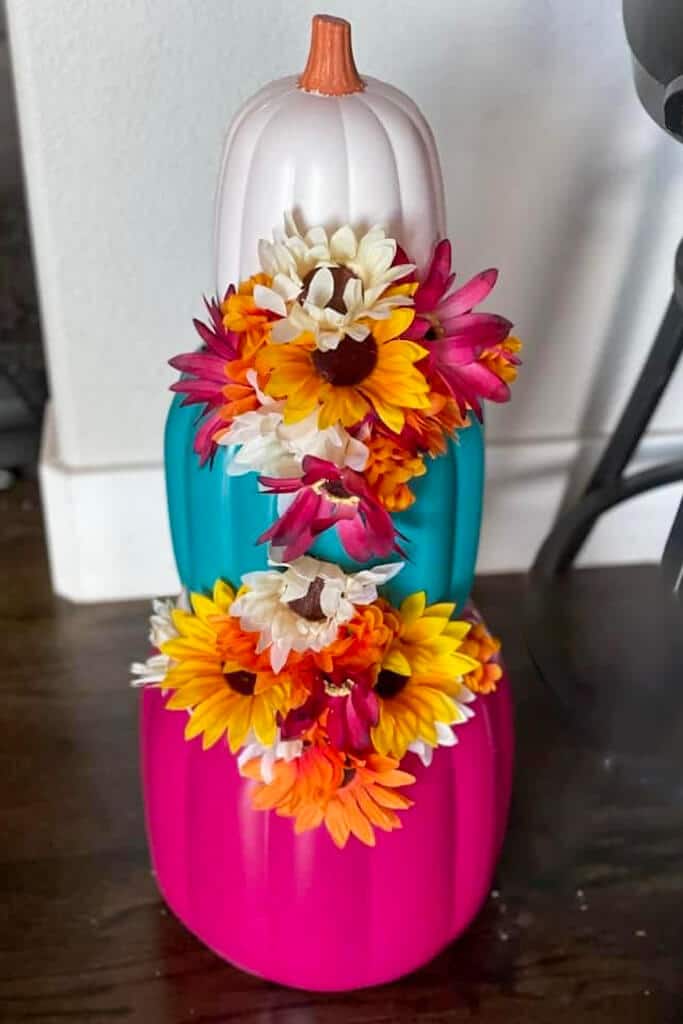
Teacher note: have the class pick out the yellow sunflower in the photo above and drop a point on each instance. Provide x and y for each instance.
(355, 378)
(218, 676)
(420, 680)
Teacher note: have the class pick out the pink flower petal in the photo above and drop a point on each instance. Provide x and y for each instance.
(469, 295)
(281, 484)
(356, 725)
(198, 391)
(401, 259)
(485, 329)
(417, 329)
(204, 445)
(366, 704)
(315, 469)
(468, 383)
(354, 540)
(437, 281)
(488, 384)
(454, 351)
(202, 365)
(335, 724)
(292, 531)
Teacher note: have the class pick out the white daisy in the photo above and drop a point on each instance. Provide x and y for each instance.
(161, 629)
(328, 286)
(270, 446)
(302, 607)
(280, 750)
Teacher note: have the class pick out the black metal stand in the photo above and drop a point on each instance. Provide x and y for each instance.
(626, 713)
(608, 486)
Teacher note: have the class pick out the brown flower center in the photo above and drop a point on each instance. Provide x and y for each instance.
(347, 364)
(436, 331)
(348, 777)
(341, 276)
(241, 682)
(335, 490)
(389, 684)
(308, 606)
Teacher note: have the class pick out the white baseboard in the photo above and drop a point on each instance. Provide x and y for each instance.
(108, 535)
(527, 484)
(107, 529)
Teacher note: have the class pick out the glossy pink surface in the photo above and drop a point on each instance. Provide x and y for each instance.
(295, 909)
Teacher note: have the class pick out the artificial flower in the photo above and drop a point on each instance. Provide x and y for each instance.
(363, 641)
(484, 648)
(206, 374)
(503, 359)
(217, 674)
(328, 496)
(241, 394)
(350, 796)
(302, 606)
(269, 445)
(243, 314)
(445, 737)
(344, 704)
(420, 680)
(161, 629)
(427, 430)
(329, 287)
(390, 468)
(457, 336)
(278, 750)
(354, 379)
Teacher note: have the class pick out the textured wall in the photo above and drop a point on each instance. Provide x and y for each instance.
(553, 172)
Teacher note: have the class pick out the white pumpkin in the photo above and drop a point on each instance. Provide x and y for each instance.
(362, 157)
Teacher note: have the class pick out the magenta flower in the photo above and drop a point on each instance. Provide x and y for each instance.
(352, 710)
(328, 496)
(206, 376)
(456, 336)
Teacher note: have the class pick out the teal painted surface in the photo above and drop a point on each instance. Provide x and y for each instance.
(215, 518)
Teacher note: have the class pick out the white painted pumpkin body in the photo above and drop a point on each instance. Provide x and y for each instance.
(363, 159)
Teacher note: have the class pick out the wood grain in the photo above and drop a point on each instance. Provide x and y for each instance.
(585, 924)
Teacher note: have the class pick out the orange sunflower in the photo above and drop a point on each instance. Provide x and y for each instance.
(216, 674)
(357, 377)
(350, 796)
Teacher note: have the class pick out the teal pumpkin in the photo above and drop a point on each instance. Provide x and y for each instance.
(216, 518)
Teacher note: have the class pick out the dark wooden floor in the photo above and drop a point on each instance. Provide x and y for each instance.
(586, 922)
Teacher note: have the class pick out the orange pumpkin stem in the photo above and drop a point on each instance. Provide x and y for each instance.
(331, 69)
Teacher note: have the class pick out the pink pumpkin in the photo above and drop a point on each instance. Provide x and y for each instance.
(297, 910)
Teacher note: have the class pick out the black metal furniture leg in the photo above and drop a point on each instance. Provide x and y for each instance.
(637, 711)
(672, 561)
(607, 485)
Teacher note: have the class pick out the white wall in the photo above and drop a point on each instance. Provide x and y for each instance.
(553, 173)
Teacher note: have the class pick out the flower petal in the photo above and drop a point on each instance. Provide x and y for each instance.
(321, 288)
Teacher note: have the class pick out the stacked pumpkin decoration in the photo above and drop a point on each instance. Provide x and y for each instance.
(326, 725)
